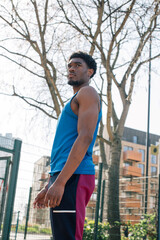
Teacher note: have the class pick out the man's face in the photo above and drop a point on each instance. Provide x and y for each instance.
(78, 72)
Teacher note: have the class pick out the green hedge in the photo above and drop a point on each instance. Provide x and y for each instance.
(102, 233)
(145, 228)
(32, 229)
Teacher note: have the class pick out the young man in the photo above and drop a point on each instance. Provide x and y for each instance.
(72, 170)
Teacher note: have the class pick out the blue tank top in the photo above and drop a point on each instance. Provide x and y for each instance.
(65, 136)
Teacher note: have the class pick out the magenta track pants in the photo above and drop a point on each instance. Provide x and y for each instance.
(67, 220)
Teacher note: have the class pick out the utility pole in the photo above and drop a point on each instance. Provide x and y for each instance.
(148, 127)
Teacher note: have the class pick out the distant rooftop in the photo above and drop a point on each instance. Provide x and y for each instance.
(139, 137)
(7, 141)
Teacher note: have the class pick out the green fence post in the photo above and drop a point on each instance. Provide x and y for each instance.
(27, 216)
(102, 200)
(8, 159)
(98, 201)
(17, 225)
(11, 190)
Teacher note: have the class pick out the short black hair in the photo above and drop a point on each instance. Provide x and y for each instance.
(91, 63)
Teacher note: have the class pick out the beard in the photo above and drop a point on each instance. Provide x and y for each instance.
(75, 83)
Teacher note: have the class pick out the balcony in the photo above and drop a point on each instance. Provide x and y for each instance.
(133, 187)
(132, 171)
(153, 191)
(44, 177)
(133, 218)
(132, 156)
(91, 204)
(131, 203)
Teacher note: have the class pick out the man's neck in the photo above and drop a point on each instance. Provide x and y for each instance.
(77, 88)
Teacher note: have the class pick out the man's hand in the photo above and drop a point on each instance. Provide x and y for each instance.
(39, 200)
(54, 195)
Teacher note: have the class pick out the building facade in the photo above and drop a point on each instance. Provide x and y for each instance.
(132, 176)
(6, 142)
(133, 167)
(40, 179)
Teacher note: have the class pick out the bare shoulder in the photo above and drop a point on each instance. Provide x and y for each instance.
(88, 92)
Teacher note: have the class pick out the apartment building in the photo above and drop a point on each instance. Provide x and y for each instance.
(40, 179)
(7, 142)
(133, 175)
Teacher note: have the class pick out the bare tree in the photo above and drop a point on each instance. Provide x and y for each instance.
(116, 33)
(30, 41)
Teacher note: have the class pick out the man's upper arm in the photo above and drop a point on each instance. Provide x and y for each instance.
(88, 100)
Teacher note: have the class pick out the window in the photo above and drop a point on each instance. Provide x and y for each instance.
(139, 197)
(152, 186)
(143, 186)
(97, 152)
(152, 202)
(142, 168)
(123, 195)
(130, 148)
(126, 164)
(153, 171)
(96, 167)
(94, 196)
(153, 159)
(156, 187)
(143, 201)
(128, 211)
(96, 182)
(126, 148)
(47, 162)
(128, 194)
(143, 154)
(135, 138)
(39, 168)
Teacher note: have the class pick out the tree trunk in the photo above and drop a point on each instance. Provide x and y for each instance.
(113, 189)
(102, 148)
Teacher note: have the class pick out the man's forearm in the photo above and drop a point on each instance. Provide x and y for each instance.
(46, 186)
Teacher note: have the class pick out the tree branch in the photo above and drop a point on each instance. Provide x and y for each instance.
(25, 99)
(110, 74)
(19, 64)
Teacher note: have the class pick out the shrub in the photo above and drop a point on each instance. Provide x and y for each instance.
(102, 233)
(145, 228)
(32, 229)
(45, 231)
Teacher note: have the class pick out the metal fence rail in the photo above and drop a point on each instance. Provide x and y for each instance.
(12, 181)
